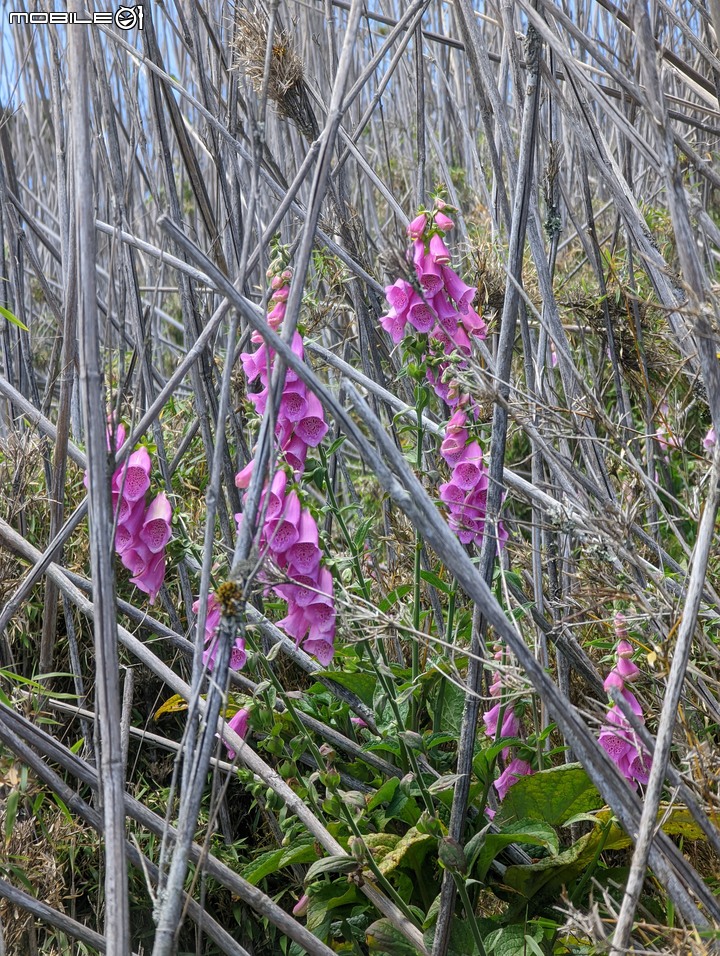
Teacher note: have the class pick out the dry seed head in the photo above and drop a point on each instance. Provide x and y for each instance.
(286, 87)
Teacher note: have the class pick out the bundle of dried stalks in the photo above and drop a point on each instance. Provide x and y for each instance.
(286, 83)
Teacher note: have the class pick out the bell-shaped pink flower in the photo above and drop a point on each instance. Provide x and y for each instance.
(151, 578)
(615, 680)
(710, 439)
(515, 769)
(295, 453)
(257, 364)
(443, 222)
(293, 404)
(510, 724)
(417, 227)
(447, 314)
(134, 476)
(474, 324)
(421, 316)
(238, 655)
(321, 649)
(284, 532)
(157, 530)
(469, 467)
(238, 723)
(439, 252)
(394, 324)
(304, 555)
(312, 427)
(398, 295)
(276, 317)
(295, 624)
(242, 478)
(275, 495)
(120, 436)
(129, 526)
(428, 272)
(136, 557)
(458, 291)
(626, 669)
(625, 649)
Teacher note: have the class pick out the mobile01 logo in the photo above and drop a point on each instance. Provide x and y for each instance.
(124, 18)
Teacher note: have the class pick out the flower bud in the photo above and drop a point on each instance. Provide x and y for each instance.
(452, 855)
(417, 227)
(301, 907)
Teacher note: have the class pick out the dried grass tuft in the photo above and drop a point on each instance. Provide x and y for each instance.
(286, 86)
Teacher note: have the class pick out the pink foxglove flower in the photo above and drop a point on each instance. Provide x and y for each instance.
(710, 439)
(443, 222)
(238, 723)
(417, 226)
(289, 536)
(142, 533)
(134, 477)
(617, 737)
(511, 774)
(510, 724)
(238, 655)
(151, 576)
(157, 529)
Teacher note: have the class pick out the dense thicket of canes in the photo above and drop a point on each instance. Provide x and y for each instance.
(359, 390)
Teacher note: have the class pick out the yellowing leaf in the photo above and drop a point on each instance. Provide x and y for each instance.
(409, 851)
(174, 705)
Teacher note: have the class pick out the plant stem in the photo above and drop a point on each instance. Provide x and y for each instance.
(469, 912)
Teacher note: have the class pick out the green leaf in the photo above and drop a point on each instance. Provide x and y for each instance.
(552, 796)
(13, 319)
(325, 897)
(361, 684)
(303, 853)
(339, 863)
(512, 940)
(526, 831)
(384, 794)
(382, 937)
(11, 807)
(437, 582)
(397, 594)
(335, 445)
(262, 866)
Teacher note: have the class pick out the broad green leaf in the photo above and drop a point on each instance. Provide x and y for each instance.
(545, 879)
(262, 866)
(384, 793)
(511, 940)
(553, 796)
(382, 937)
(525, 831)
(462, 941)
(362, 685)
(431, 578)
(397, 594)
(303, 853)
(325, 897)
(13, 319)
(453, 706)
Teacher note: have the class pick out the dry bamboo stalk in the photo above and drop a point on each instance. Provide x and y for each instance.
(117, 918)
